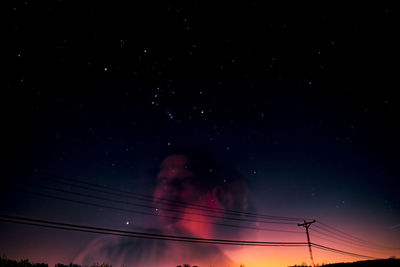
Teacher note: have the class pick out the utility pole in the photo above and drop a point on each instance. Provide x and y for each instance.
(307, 225)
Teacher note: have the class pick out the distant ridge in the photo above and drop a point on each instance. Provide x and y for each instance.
(368, 263)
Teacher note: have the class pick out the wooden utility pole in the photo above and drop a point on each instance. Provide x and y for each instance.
(307, 225)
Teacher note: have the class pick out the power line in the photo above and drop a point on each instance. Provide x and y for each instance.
(115, 232)
(152, 214)
(334, 231)
(351, 245)
(165, 201)
(100, 230)
(356, 242)
(148, 198)
(337, 231)
(152, 207)
(349, 241)
(350, 238)
(341, 251)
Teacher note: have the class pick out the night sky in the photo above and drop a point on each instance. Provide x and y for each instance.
(296, 99)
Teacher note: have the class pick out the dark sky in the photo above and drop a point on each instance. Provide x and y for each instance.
(299, 98)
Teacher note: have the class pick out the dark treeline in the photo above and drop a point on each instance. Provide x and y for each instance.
(22, 263)
(4, 262)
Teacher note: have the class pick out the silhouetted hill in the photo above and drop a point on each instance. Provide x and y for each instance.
(369, 263)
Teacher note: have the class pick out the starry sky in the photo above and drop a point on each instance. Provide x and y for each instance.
(298, 98)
